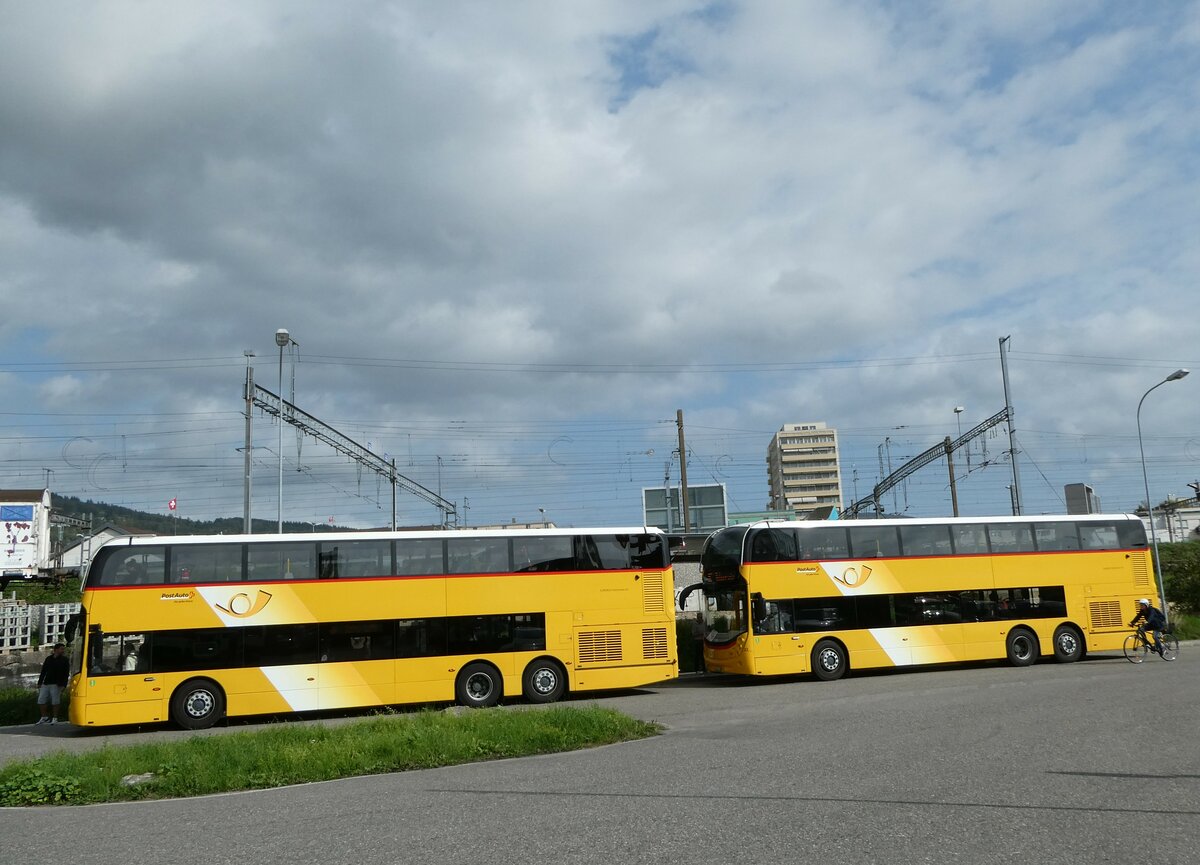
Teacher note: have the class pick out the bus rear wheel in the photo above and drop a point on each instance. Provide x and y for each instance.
(479, 686)
(829, 661)
(1068, 644)
(544, 681)
(197, 704)
(1022, 647)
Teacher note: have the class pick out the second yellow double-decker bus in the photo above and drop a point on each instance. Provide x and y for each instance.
(193, 629)
(827, 597)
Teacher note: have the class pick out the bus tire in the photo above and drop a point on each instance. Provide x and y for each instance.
(197, 704)
(1068, 644)
(544, 681)
(829, 661)
(1022, 646)
(479, 686)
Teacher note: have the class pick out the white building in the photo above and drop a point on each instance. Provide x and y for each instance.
(1179, 523)
(802, 468)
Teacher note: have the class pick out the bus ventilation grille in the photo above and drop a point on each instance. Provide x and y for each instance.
(1106, 615)
(653, 598)
(1141, 571)
(598, 647)
(654, 643)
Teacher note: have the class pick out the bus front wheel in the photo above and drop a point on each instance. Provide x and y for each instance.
(1068, 644)
(479, 685)
(544, 681)
(197, 704)
(1022, 647)
(829, 661)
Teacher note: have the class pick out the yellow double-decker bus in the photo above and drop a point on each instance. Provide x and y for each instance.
(828, 597)
(194, 629)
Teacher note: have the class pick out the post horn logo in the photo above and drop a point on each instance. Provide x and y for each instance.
(852, 578)
(241, 607)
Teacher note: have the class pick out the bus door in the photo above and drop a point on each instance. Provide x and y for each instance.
(778, 647)
(119, 685)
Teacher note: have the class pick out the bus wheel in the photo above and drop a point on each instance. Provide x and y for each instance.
(544, 681)
(197, 704)
(479, 685)
(1022, 647)
(829, 661)
(1068, 645)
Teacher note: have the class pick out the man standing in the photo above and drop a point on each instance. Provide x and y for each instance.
(55, 670)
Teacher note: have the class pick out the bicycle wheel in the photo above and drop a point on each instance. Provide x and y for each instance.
(1170, 647)
(1135, 649)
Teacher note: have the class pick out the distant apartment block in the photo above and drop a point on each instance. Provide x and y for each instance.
(802, 468)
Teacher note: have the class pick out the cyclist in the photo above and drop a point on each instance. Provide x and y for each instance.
(1154, 620)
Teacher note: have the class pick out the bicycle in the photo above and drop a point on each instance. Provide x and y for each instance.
(1138, 645)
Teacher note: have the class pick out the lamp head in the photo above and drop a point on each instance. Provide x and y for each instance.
(958, 409)
(282, 337)
(1178, 374)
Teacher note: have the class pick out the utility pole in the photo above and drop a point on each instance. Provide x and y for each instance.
(246, 522)
(1012, 430)
(683, 490)
(950, 465)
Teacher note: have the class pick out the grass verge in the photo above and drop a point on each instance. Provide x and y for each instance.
(296, 754)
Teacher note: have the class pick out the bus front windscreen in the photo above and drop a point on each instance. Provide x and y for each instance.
(726, 616)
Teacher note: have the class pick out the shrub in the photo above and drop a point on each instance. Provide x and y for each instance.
(17, 706)
(32, 786)
(1181, 575)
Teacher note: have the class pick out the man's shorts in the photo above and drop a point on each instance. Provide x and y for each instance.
(49, 694)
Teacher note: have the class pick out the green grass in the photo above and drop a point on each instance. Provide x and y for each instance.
(300, 753)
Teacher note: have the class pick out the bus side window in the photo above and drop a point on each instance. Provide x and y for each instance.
(1098, 536)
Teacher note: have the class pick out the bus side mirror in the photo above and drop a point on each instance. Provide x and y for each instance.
(758, 607)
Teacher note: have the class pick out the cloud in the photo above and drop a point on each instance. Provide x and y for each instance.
(545, 216)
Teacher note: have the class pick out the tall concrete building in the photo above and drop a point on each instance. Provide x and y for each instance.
(802, 466)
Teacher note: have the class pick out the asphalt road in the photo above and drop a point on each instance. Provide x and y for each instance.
(1092, 762)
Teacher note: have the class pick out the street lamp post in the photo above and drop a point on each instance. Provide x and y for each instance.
(282, 339)
(1162, 594)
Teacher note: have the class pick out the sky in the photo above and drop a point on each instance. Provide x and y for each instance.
(511, 241)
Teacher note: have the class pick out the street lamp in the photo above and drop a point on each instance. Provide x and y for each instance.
(1162, 593)
(282, 339)
(958, 410)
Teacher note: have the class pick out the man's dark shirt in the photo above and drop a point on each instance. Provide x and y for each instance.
(55, 671)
